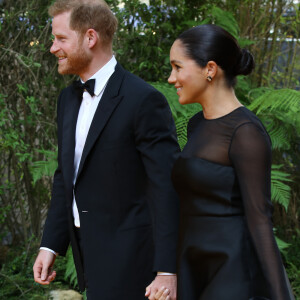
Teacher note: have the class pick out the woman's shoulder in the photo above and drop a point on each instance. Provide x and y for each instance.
(245, 116)
(248, 124)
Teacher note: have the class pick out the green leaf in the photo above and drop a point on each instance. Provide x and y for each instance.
(45, 167)
(70, 273)
(22, 87)
(278, 137)
(279, 111)
(280, 190)
(281, 244)
(244, 42)
(226, 20)
(38, 65)
(283, 99)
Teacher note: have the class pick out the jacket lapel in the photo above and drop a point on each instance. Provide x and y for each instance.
(109, 101)
(71, 110)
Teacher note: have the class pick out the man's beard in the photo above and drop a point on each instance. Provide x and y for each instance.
(76, 63)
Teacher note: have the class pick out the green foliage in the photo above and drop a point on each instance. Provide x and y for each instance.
(242, 89)
(70, 273)
(279, 111)
(44, 167)
(178, 110)
(148, 32)
(145, 37)
(222, 18)
(293, 271)
(181, 113)
(3, 212)
(16, 277)
(292, 262)
(281, 244)
(280, 190)
(29, 85)
(285, 100)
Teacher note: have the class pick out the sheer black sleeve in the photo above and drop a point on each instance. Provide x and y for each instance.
(250, 154)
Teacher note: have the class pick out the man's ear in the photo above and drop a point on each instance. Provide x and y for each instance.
(92, 37)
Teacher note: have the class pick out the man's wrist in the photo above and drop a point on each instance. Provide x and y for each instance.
(165, 274)
(47, 249)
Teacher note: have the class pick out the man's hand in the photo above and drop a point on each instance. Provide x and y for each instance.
(42, 268)
(163, 287)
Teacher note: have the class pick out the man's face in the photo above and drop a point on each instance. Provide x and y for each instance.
(68, 46)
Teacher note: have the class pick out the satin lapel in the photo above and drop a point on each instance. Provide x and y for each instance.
(109, 101)
(71, 110)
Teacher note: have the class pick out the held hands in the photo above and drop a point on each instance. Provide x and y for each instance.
(163, 287)
(42, 268)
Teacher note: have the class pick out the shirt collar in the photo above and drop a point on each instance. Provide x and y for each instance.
(103, 75)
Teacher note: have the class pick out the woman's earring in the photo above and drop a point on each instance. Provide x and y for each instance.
(209, 78)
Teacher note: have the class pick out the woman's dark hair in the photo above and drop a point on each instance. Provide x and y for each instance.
(210, 42)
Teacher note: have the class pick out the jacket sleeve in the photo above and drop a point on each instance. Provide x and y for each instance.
(56, 235)
(156, 140)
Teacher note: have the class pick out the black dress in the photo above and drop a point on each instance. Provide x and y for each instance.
(227, 249)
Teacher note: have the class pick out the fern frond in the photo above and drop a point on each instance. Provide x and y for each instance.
(281, 244)
(178, 110)
(169, 92)
(70, 273)
(279, 111)
(284, 99)
(181, 128)
(226, 20)
(280, 191)
(45, 167)
(181, 113)
(259, 91)
(278, 135)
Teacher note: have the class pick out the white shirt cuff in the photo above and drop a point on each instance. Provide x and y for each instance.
(165, 273)
(47, 249)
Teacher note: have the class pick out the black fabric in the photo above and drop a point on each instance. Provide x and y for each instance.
(81, 252)
(89, 86)
(227, 248)
(127, 205)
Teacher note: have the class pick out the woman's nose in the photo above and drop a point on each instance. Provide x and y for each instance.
(172, 78)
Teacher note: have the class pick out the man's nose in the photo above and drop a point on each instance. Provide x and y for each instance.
(54, 48)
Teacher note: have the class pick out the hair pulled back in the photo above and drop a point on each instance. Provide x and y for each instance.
(209, 42)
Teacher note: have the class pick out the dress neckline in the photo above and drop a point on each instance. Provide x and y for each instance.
(224, 116)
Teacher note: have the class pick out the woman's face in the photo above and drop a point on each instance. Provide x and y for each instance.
(187, 76)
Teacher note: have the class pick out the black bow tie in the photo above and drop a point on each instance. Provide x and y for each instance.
(88, 86)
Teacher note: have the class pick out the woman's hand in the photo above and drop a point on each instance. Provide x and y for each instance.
(163, 294)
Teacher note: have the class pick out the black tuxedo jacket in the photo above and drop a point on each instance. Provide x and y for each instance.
(127, 205)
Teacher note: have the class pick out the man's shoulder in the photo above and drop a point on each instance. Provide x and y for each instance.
(134, 82)
(65, 92)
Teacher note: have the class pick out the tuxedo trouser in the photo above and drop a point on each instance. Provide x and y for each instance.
(81, 249)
